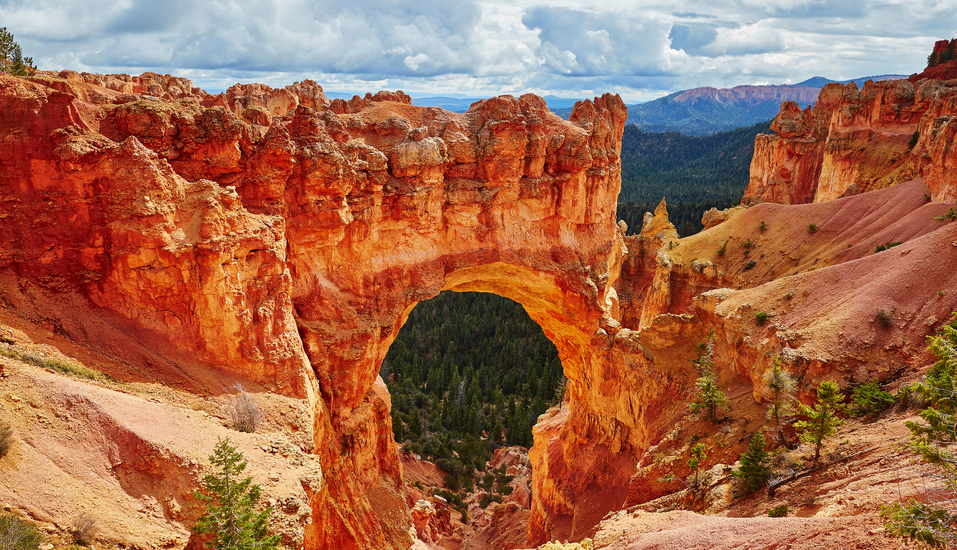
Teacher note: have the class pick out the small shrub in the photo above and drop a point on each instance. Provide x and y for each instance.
(913, 140)
(885, 246)
(812, 228)
(83, 529)
(244, 413)
(6, 438)
(750, 265)
(779, 511)
(940, 294)
(762, 226)
(870, 399)
(884, 318)
(948, 216)
(762, 317)
(724, 248)
(747, 245)
(488, 499)
(789, 295)
(16, 534)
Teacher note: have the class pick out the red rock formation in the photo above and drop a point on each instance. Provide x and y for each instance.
(267, 234)
(854, 141)
(946, 70)
(276, 237)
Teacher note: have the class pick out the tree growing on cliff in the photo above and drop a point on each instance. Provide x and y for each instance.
(782, 408)
(709, 397)
(11, 57)
(934, 522)
(754, 470)
(230, 505)
(822, 420)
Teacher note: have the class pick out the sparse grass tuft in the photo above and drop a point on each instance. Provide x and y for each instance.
(83, 529)
(762, 317)
(724, 249)
(63, 367)
(16, 534)
(244, 413)
(6, 440)
(762, 226)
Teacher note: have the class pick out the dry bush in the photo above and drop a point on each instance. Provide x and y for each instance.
(6, 438)
(244, 413)
(83, 529)
(16, 534)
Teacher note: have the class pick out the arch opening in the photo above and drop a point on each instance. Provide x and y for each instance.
(469, 373)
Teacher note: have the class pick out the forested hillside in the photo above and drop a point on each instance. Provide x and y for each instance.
(469, 372)
(693, 174)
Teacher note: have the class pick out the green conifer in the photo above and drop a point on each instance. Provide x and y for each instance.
(709, 398)
(782, 385)
(230, 505)
(754, 470)
(822, 420)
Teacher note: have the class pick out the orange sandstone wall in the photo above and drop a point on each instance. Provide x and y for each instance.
(853, 141)
(279, 237)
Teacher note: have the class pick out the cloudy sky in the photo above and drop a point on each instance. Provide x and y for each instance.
(571, 48)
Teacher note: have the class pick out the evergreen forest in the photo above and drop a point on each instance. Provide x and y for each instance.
(693, 174)
(468, 373)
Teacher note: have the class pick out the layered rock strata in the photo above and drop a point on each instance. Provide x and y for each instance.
(853, 141)
(279, 237)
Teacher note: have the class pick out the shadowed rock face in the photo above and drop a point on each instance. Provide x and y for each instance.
(280, 237)
(853, 141)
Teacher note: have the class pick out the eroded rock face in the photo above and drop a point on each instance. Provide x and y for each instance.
(852, 141)
(280, 237)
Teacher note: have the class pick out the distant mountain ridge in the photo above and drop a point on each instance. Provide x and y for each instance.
(706, 110)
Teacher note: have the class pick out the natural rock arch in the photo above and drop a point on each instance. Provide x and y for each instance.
(282, 237)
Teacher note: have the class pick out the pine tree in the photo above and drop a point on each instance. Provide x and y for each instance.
(230, 505)
(934, 523)
(781, 384)
(11, 57)
(822, 420)
(697, 457)
(709, 397)
(754, 469)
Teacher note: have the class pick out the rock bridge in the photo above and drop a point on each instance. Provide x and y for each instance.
(283, 237)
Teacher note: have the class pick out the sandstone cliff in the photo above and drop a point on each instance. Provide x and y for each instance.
(853, 141)
(281, 238)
